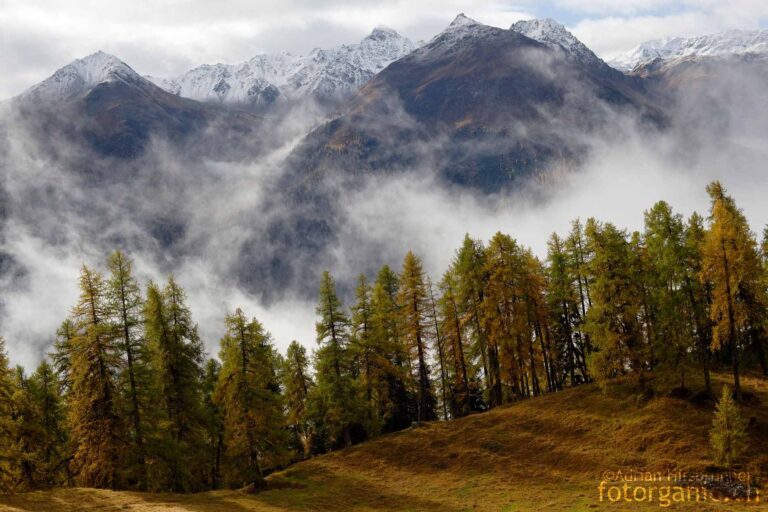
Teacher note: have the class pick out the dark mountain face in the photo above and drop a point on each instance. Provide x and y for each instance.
(119, 118)
(118, 113)
(484, 106)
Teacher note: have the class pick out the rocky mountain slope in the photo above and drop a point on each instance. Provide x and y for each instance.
(482, 105)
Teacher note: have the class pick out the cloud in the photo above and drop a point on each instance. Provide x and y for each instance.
(617, 184)
(611, 36)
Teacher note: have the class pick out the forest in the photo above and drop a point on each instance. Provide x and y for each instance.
(128, 398)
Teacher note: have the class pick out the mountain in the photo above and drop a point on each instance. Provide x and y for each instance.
(732, 42)
(78, 78)
(483, 105)
(551, 33)
(264, 79)
(101, 102)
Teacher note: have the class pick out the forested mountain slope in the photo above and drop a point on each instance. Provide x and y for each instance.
(550, 452)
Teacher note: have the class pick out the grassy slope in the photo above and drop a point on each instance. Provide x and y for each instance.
(542, 454)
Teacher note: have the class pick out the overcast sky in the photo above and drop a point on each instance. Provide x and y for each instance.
(166, 37)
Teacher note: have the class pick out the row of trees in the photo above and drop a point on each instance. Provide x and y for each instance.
(129, 399)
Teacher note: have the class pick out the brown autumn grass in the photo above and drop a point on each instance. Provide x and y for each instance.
(548, 453)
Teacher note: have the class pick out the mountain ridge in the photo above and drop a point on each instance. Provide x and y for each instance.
(730, 42)
(266, 78)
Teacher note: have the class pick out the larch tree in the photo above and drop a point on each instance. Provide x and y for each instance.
(468, 269)
(413, 301)
(613, 321)
(395, 402)
(50, 444)
(732, 267)
(699, 294)
(95, 424)
(213, 425)
(8, 475)
(462, 397)
(176, 362)
(439, 348)
(364, 352)
(336, 394)
(125, 309)
(26, 433)
(579, 255)
(728, 436)
(502, 298)
(62, 353)
(564, 307)
(249, 395)
(670, 283)
(297, 384)
(534, 291)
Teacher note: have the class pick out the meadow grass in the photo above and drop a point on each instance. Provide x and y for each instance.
(547, 453)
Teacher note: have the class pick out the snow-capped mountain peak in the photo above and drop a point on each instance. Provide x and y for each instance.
(461, 20)
(461, 28)
(265, 78)
(731, 42)
(78, 77)
(551, 33)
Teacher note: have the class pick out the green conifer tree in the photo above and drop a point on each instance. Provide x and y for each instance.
(298, 384)
(392, 387)
(50, 442)
(728, 435)
(336, 394)
(613, 322)
(176, 362)
(8, 476)
(249, 396)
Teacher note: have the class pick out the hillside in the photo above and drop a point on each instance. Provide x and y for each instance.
(545, 453)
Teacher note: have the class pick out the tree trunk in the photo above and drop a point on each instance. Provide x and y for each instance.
(732, 328)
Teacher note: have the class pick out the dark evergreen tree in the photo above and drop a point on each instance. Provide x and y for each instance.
(336, 396)
(176, 361)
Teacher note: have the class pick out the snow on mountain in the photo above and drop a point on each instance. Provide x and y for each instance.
(462, 27)
(551, 33)
(732, 42)
(79, 77)
(265, 78)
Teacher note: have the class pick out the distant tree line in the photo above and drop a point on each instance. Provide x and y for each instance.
(129, 400)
